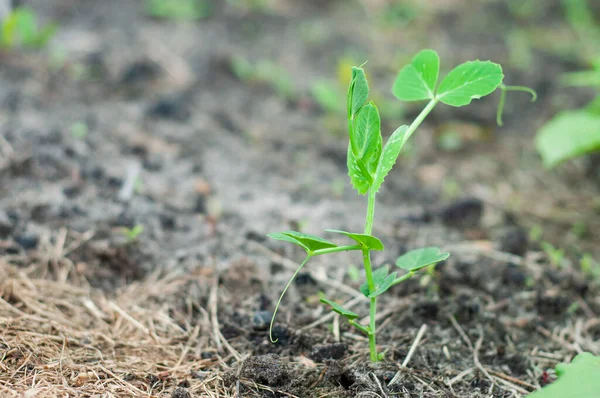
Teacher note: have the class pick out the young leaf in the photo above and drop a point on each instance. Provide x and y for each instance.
(384, 285)
(468, 81)
(417, 80)
(382, 282)
(359, 91)
(359, 181)
(366, 241)
(378, 276)
(388, 156)
(568, 135)
(310, 243)
(416, 259)
(367, 136)
(340, 310)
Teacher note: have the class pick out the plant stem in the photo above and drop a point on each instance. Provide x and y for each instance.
(373, 306)
(369, 274)
(336, 249)
(403, 278)
(419, 119)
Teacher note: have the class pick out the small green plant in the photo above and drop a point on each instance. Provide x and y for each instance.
(265, 72)
(555, 255)
(133, 233)
(20, 29)
(178, 9)
(369, 161)
(79, 130)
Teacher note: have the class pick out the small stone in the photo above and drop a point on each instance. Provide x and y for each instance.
(169, 108)
(27, 242)
(464, 213)
(6, 225)
(515, 241)
(261, 320)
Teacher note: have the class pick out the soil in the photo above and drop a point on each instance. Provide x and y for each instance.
(206, 163)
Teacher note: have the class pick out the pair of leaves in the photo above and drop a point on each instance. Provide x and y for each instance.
(471, 80)
(568, 135)
(20, 27)
(382, 282)
(364, 127)
(411, 262)
(312, 243)
(368, 163)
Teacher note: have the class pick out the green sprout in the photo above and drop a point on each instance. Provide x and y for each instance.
(79, 130)
(265, 72)
(369, 162)
(178, 9)
(133, 233)
(20, 29)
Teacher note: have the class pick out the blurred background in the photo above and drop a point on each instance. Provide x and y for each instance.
(193, 126)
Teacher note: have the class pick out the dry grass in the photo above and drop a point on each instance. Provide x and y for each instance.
(61, 337)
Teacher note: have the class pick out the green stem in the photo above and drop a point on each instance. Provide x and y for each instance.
(336, 249)
(369, 273)
(419, 119)
(403, 278)
(283, 294)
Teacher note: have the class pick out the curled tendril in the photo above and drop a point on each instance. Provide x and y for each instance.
(281, 297)
(503, 89)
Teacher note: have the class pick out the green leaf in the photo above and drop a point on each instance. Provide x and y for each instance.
(357, 177)
(340, 310)
(367, 136)
(416, 259)
(577, 379)
(366, 241)
(310, 243)
(568, 135)
(382, 282)
(416, 81)
(469, 81)
(359, 91)
(328, 96)
(388, 156)
(378, 276)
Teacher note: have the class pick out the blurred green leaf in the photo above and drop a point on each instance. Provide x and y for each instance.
(417, 80)
(469, 81)
(310, 243)
(335, 307)
(366, 241)
(568, 135)
(327, 96)
(577, 379)
(416, 259)
(178, 9)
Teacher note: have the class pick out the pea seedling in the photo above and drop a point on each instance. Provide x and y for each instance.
(369, 162)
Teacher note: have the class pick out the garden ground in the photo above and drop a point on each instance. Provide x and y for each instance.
(143, 161)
